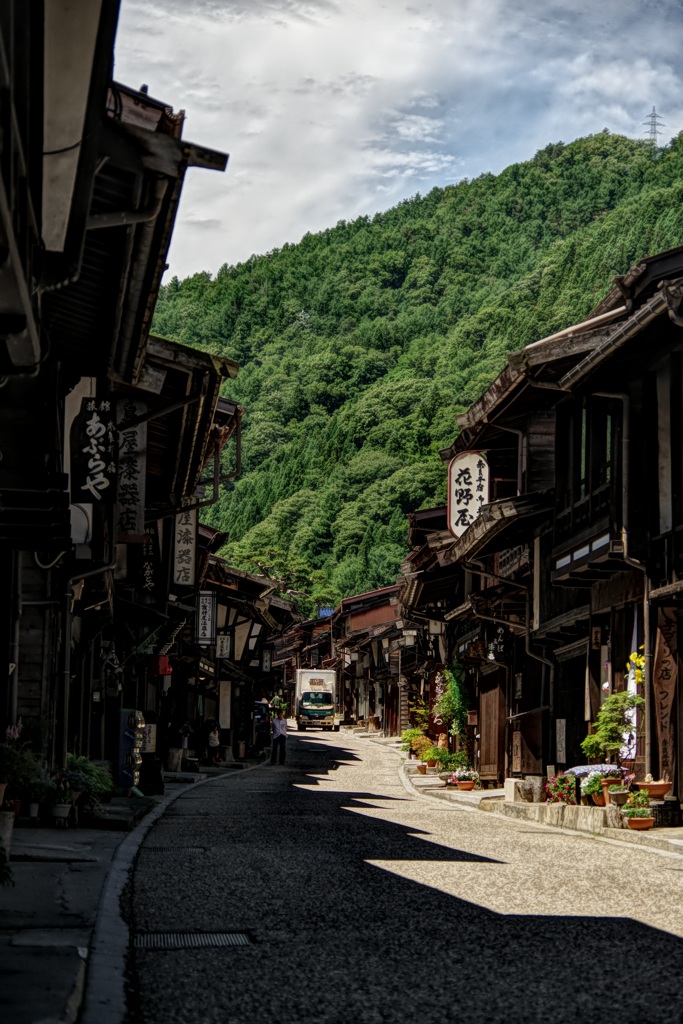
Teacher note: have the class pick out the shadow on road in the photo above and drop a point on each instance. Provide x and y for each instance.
(340, 939)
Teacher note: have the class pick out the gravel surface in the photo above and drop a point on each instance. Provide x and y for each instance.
(369, 905)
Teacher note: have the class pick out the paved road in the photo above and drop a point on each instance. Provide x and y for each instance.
(369, 905)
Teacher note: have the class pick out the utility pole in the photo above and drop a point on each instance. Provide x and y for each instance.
(653, 125)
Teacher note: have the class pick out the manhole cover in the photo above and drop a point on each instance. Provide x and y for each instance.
(190, 940)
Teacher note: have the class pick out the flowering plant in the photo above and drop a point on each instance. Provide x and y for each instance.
(464, 775)
(591, 785)
(636, 665)
(561, 789)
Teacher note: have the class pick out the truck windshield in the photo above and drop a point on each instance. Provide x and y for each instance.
(316, 700)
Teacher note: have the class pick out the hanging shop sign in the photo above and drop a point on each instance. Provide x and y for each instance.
(468, 490)
(664, 677)
(93, 453)
(132, 471)
(205, 629)
(185, 548)
(223, 645)
(150, 567)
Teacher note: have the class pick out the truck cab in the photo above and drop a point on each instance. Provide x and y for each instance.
(315, 700)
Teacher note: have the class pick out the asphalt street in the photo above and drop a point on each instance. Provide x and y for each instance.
(365, 904)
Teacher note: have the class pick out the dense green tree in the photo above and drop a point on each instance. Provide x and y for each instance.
(360, 345)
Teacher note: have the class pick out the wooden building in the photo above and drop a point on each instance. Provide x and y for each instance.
(574, 561)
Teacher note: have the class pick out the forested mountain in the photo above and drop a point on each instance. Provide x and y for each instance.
(359, 345)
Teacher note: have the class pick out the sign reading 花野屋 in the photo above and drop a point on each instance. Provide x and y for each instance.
(468, 490)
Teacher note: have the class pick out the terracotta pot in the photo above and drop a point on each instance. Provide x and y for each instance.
(655, 790)
(640, 824)
(422, 769)
(467, 786)
(431, 764)
(598, 800)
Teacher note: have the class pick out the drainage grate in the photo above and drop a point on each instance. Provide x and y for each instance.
(190, 940)
(173, 849)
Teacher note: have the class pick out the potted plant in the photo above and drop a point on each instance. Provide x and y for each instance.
(610, 778)
(61, 807)
(92, 779)
(561, 789)
(656, 789)
(40, 788)
(447, 762)
(591, 787)
(421, 745)
(17, 765)
(637, 811)
(613, 727)
(408, 737)
(431, 756)
(465, 778)
(617, 794)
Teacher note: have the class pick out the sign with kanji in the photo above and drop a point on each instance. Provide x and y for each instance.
(664, 679)
(184, 550)
(468, 490)
(150, 568)
(205, 630)
(223, 645)
(132, 471)
(93, 453)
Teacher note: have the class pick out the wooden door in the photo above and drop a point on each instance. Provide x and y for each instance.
(492, 729)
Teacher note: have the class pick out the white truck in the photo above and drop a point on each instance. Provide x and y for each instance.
(315, 698)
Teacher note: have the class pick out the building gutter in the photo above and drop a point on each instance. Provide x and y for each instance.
(644, 316)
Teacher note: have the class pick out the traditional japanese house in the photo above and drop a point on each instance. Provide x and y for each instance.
(86, 224)
(374, 658)
(577, 561)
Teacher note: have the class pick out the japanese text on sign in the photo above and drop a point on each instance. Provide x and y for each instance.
(206, 618)
(93, 453)
(132, 470)
(184, 554)
(468, 490)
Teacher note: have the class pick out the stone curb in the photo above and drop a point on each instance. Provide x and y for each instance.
(104, 996)
(647, 843)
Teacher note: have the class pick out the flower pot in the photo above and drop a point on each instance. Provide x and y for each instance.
(598, 799)
(60, 814)
(33, 810)
(640, 824)
(466, 785)
(606, 783)
(422, 769)
(3, 787)
(618, 798)
(655, 790)
(431, 764)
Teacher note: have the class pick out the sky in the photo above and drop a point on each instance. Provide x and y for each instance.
(331, 109)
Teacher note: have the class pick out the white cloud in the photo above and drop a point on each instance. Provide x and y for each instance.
(331, 110)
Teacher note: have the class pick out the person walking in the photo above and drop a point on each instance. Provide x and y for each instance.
(279, 738)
